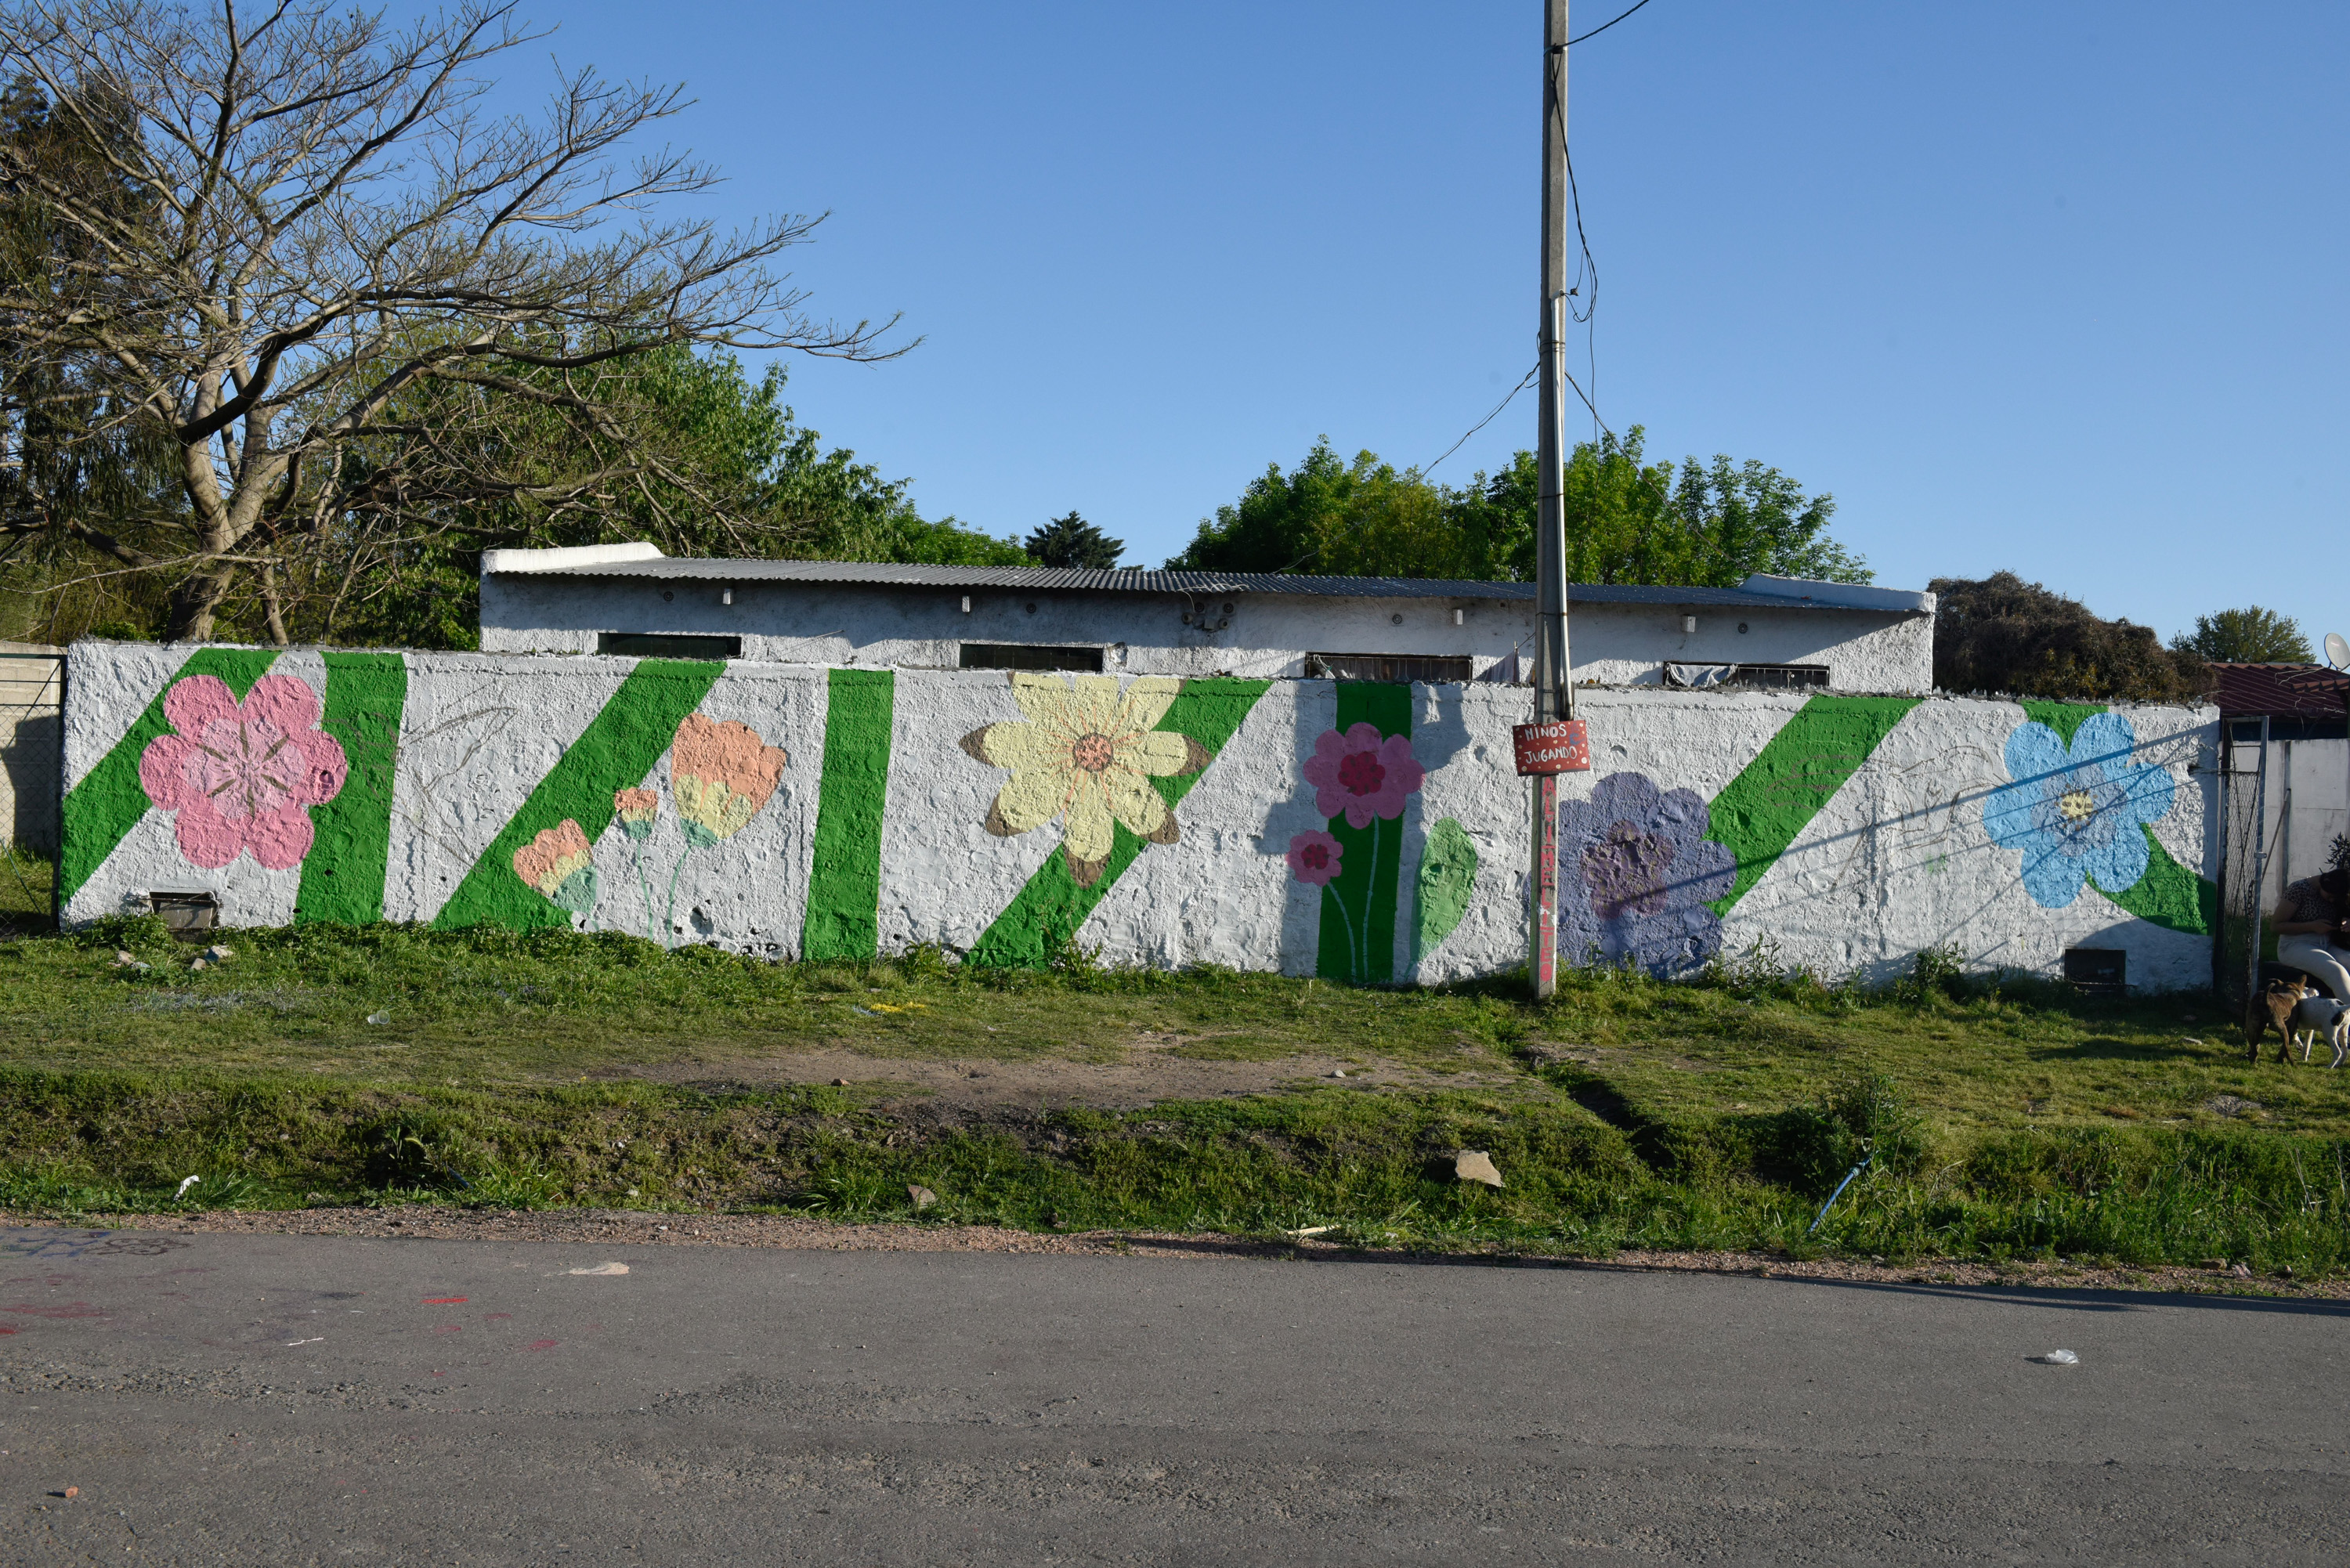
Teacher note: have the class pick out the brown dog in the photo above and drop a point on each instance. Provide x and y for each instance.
(2273, 1009)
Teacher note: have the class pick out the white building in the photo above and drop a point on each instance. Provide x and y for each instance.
(631, 599)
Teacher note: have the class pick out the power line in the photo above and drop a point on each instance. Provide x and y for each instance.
(1487, 420)
(1602, 27)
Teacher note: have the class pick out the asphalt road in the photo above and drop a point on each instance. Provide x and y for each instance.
(289, 1400)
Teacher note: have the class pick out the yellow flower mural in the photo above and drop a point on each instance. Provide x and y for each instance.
(1086, 754)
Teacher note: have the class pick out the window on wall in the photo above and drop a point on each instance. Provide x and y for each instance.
(1029, 656)
(1705, 677)
(665, 645)
(1393, 666)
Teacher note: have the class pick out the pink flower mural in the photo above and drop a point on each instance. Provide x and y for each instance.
(1313, 857)
(1362, 776)
(243, 775)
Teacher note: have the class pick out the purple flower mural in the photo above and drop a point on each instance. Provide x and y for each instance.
(1635, 870)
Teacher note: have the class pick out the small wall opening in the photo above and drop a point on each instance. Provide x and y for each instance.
(667, 645)
(190, 914)
(1029, 656)
(1433, 668)
(2097, 972)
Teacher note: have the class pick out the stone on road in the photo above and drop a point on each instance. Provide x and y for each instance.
(242, 1399)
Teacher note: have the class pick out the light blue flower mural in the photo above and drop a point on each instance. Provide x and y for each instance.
(2075, 811)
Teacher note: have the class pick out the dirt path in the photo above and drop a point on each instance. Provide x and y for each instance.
(642, 1227)
(982, 1083)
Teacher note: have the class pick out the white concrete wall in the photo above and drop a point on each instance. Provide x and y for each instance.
(2307, 805)
(1895, 857)
(1269, 634)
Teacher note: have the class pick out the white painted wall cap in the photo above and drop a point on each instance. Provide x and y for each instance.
(569, 556)
(1855, 596)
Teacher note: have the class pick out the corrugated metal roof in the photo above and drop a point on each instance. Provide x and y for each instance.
(1191, 584)
(2282, 691)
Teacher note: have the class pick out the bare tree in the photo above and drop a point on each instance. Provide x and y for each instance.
(296, 249)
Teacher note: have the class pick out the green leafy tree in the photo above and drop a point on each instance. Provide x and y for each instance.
(724, 469)
(1628, 521)
(75, 461)
(2247, 636)
(2001, 633)
(1072, 541)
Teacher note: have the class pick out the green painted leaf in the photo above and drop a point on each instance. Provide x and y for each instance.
(1447, 876)
(2169, 895)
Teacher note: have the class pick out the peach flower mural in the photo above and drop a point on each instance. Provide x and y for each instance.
(721, 774)
(561, 865)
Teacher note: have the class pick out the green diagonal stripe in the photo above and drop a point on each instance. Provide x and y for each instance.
(616, 750)
(844, 901)
(110, 800)
(342, 877)
(1047, 912)
(1758, 813)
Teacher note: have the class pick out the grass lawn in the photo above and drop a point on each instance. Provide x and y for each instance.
(385, 1064)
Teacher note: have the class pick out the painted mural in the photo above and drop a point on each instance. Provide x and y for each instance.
(1367, 833)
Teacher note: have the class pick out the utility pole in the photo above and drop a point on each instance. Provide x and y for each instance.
(1556, 741)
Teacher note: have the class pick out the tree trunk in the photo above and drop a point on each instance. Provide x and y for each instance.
(193, 602)
(269, 601)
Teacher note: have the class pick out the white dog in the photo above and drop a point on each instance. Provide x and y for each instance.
(2316, 1015)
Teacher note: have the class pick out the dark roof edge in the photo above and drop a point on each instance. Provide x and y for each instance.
(644, 564)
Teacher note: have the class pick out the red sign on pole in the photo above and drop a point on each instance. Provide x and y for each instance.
(1561, 746)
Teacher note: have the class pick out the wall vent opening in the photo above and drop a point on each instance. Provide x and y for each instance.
(190, 914)
(1431, 669)
(666, 645)
(2097, 972)
(1028, 656)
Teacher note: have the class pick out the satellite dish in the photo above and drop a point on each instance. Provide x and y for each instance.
(2337, 650)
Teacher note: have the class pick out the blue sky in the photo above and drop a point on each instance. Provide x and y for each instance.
(2053, 287)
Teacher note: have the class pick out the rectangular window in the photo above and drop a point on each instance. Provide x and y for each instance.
(1708, 677)
(1390, 667)
(1029, 656)
(666, 644)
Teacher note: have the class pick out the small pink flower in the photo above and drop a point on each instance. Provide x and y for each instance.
(243, 775)
(1313, 857)
(1361, 775)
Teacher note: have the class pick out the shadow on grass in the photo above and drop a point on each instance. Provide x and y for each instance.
(2069, 1298)
(2124, 1051)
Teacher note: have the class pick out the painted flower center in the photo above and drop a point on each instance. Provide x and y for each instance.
(1360, 774)
(1315, 856)
(2074, 805)
(1625, 872)
(1093, 753)
(247, 771)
